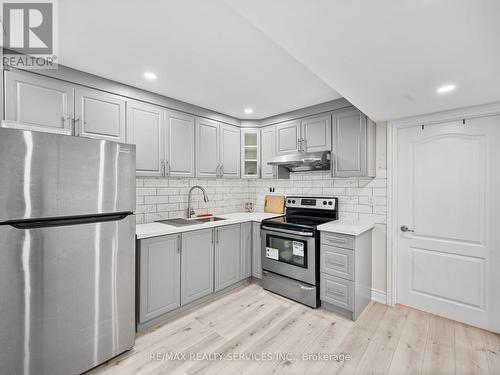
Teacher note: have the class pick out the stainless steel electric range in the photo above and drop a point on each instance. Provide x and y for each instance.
(290, 248)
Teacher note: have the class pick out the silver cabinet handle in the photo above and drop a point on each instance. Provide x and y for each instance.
(167, 168)
(404, 228)
(336, 264)
(222, 170)
(162, 163)
(76, 130)
(336, 239)
(217, 171)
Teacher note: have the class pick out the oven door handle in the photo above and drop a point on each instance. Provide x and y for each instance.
(287, 231)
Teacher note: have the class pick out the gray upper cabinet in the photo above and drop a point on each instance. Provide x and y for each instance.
(287, 137)
(159, 276)
(145, 130)
(246, 250)
(207, 148)
(268, 151)
(316, 133)
(38, 103)
(229, 151)
(353, 145)
(99, 115)
(197, 265)
(179, 145)
(227, 256)
(256, 251)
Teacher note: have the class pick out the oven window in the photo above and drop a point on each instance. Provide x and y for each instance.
(287, 250)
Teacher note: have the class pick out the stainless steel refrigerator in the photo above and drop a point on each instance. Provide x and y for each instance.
(67, 258)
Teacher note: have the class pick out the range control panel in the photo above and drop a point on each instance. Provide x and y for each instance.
(327, 203)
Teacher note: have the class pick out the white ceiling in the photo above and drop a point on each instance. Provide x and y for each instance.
(201, 51)
(387, 57)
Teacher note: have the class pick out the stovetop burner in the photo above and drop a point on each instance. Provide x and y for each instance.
(305, 213)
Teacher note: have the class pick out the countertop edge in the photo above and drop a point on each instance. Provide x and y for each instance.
(359, 229)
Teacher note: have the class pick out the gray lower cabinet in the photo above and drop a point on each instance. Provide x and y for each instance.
(346, 272)
(227, 256)
(256, 251)
(246, 251)
(159, 276)
(197, 265)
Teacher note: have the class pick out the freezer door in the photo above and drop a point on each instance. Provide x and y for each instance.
(49, 175)
(67, 296)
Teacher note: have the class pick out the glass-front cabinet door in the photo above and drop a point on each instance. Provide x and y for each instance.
(250, 154)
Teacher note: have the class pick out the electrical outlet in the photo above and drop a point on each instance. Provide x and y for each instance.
(271, 190)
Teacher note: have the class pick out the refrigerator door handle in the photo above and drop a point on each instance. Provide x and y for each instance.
(59, 222)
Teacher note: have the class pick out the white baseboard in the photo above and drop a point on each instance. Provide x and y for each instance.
(378, 296)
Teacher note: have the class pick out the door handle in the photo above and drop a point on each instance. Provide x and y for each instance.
(405, 228)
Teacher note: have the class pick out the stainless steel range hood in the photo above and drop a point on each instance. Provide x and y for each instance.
(303, 161)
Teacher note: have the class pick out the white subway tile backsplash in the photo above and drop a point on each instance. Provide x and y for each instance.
(161, 198)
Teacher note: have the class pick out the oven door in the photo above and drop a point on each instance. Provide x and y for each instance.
(289, 253)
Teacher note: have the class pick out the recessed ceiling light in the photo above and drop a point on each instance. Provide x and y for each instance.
(248, 111)
(446, 88)
(149, 75)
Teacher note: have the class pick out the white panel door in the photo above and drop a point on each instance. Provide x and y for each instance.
(145, 130)
(230, 151)
(448, 181)
(38, 103)
(268, 147)
(317, 133)
(287, 137)
(207, 148)
(99, 115)
(179, 144)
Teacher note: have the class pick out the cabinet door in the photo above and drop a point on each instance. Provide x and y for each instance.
(256, 251)
(179, 141)
(230, 151)
(246, 250)
(250, 153)
(159, 276)
(197, 265)
(207, 148)
(268, 145)
(287, 137)
(227, 256)
(317, 133)
(349, 140)
(38, 103)
(99, 115)
(145, 130)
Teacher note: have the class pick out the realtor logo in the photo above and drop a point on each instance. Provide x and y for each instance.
(29, 33)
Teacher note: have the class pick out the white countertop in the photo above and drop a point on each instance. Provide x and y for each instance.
(159, 229)
(352, 228)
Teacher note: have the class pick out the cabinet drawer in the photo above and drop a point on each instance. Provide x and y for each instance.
(337, 291)
(337, 261)
(337, 239)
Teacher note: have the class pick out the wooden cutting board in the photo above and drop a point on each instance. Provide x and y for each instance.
(274, 204)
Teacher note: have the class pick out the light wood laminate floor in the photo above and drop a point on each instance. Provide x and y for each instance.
(250, 321)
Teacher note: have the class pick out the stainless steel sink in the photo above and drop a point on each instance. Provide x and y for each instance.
(180, 222)
(209, 219)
